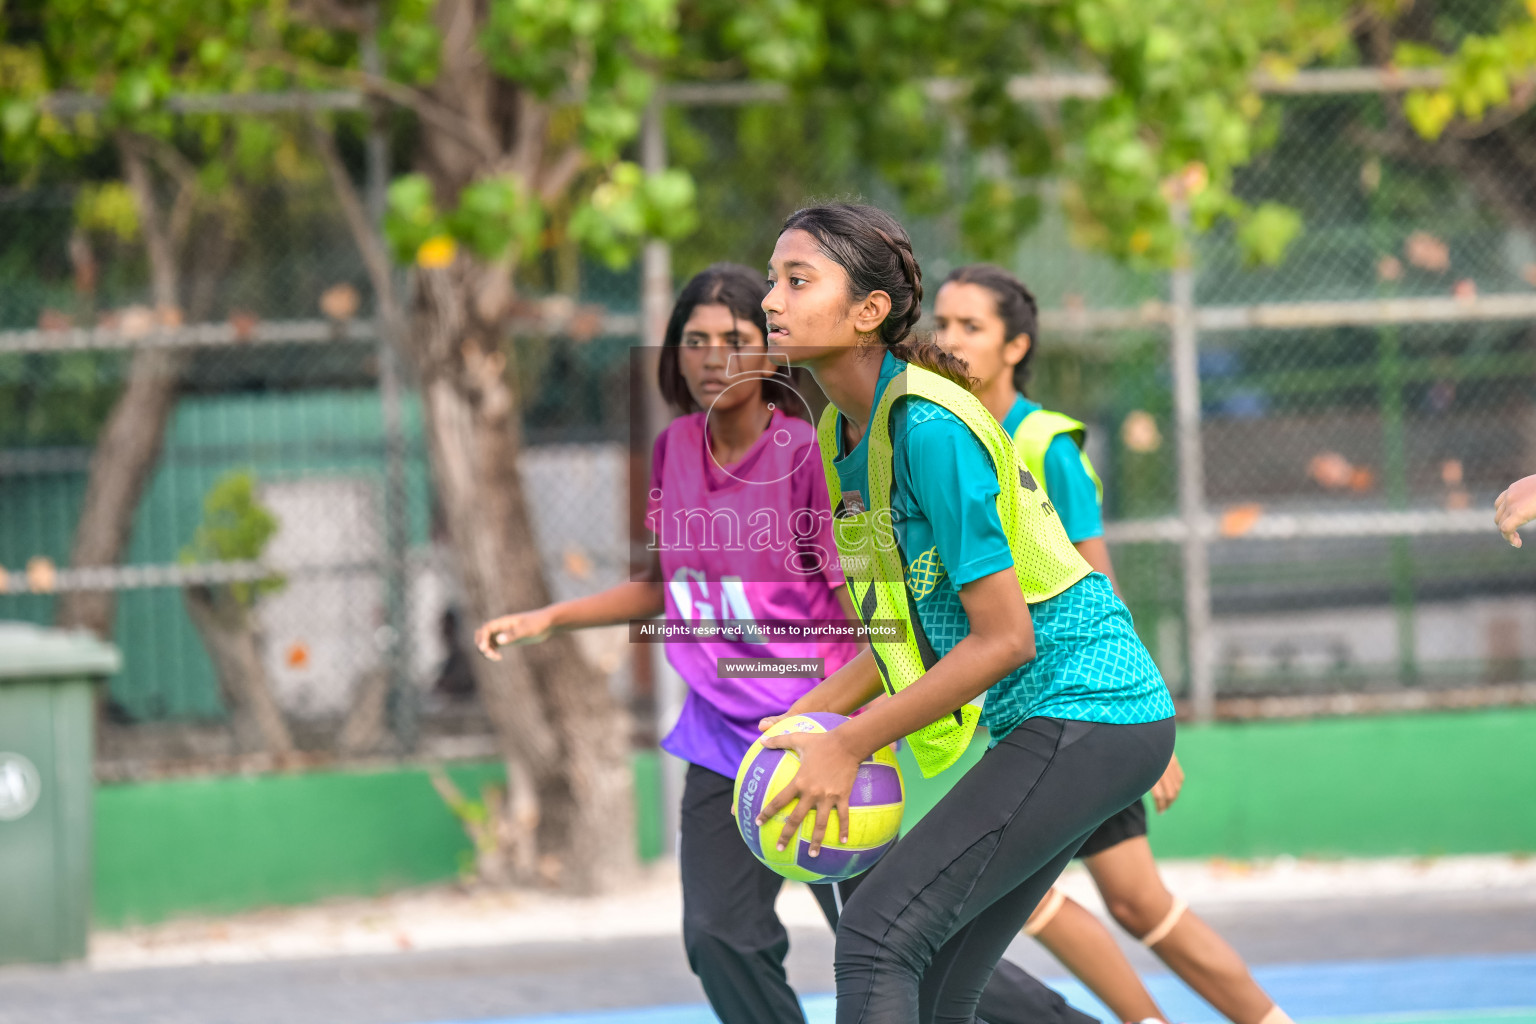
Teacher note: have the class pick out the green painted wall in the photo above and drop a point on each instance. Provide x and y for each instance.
(1407, 784)
(1340, 787)
(230, 843)
(1380, 786)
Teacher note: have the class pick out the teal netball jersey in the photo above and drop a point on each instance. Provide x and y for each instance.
(1089, 664)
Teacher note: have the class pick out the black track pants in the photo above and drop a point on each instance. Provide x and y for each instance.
(918, 942)
(736, 944)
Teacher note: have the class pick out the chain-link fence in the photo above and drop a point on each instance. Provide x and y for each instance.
(1362, 404)
(280, 584)
(1302, 523)
(1351, 412)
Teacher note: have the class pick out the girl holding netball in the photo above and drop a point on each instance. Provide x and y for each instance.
(939, 526)
(738, 458)
(987, 317)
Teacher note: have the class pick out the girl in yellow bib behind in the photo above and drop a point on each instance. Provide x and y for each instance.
(939, 526)
(986, 316)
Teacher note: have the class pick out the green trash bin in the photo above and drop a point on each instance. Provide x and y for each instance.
(47, 719)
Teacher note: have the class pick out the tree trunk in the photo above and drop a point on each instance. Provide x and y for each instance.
(565, 740)
(129, 445)
(125, 457)
(554, 714)
(230, 637)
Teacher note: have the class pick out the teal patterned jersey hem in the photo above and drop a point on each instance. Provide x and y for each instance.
(1089, 666)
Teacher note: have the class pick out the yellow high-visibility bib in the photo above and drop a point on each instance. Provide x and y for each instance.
(1033, 439)
(878, 574)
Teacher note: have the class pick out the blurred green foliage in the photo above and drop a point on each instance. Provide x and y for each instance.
(236, 527)
(1483, 68)
(1178, 120)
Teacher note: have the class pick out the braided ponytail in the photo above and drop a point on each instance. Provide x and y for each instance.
(875, 252)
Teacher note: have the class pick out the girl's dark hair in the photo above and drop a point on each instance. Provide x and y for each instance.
(741, 290)
(876, 253)
(1015, 308)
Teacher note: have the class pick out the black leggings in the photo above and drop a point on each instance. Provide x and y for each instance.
(736, 944)
(919, 940)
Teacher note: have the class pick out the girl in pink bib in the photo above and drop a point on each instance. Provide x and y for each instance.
(738, 505)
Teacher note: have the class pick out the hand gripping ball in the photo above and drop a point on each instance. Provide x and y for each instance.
(874, 815)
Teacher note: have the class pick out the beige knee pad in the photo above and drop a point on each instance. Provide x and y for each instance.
(1047, 909)
(1276, 1016)
(1166, 925)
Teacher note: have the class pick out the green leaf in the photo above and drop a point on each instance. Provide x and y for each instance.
(669, 204)
(1429, 112)
(410, 216)
(630, 207)
(235, 528)
(108, 206)
(995, 217)
(214, 53)
(1266, 233)
(1417, 55)
(17, 117)
(496, 217)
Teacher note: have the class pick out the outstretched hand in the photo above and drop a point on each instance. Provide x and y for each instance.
(823, 784)
(1166, 791)
(529, 627)
(1514, 508)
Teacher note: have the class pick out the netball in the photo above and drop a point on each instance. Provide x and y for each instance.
(878, 798)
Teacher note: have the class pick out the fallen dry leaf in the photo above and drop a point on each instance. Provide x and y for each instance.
(1239, 519)
(136, 321)
(244, 323)
(1139, 432)
(1425, 250)
(42, 575)
(53, 320)
(1331, 470)
(340, 301)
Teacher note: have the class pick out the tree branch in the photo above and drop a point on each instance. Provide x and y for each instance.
(174, 163)
(162, 256)
(370, 243)
(441, 117)
(1496, 189)
(1519, 104)
(170, 159)
(557, 176)
(528, 136)
(1399, 144)
(331, 14)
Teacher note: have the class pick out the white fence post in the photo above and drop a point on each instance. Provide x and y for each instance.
(1185, 356)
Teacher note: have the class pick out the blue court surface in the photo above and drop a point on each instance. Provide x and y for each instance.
(1442, 990)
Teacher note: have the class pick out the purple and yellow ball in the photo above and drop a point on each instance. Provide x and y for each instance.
(874, 816)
